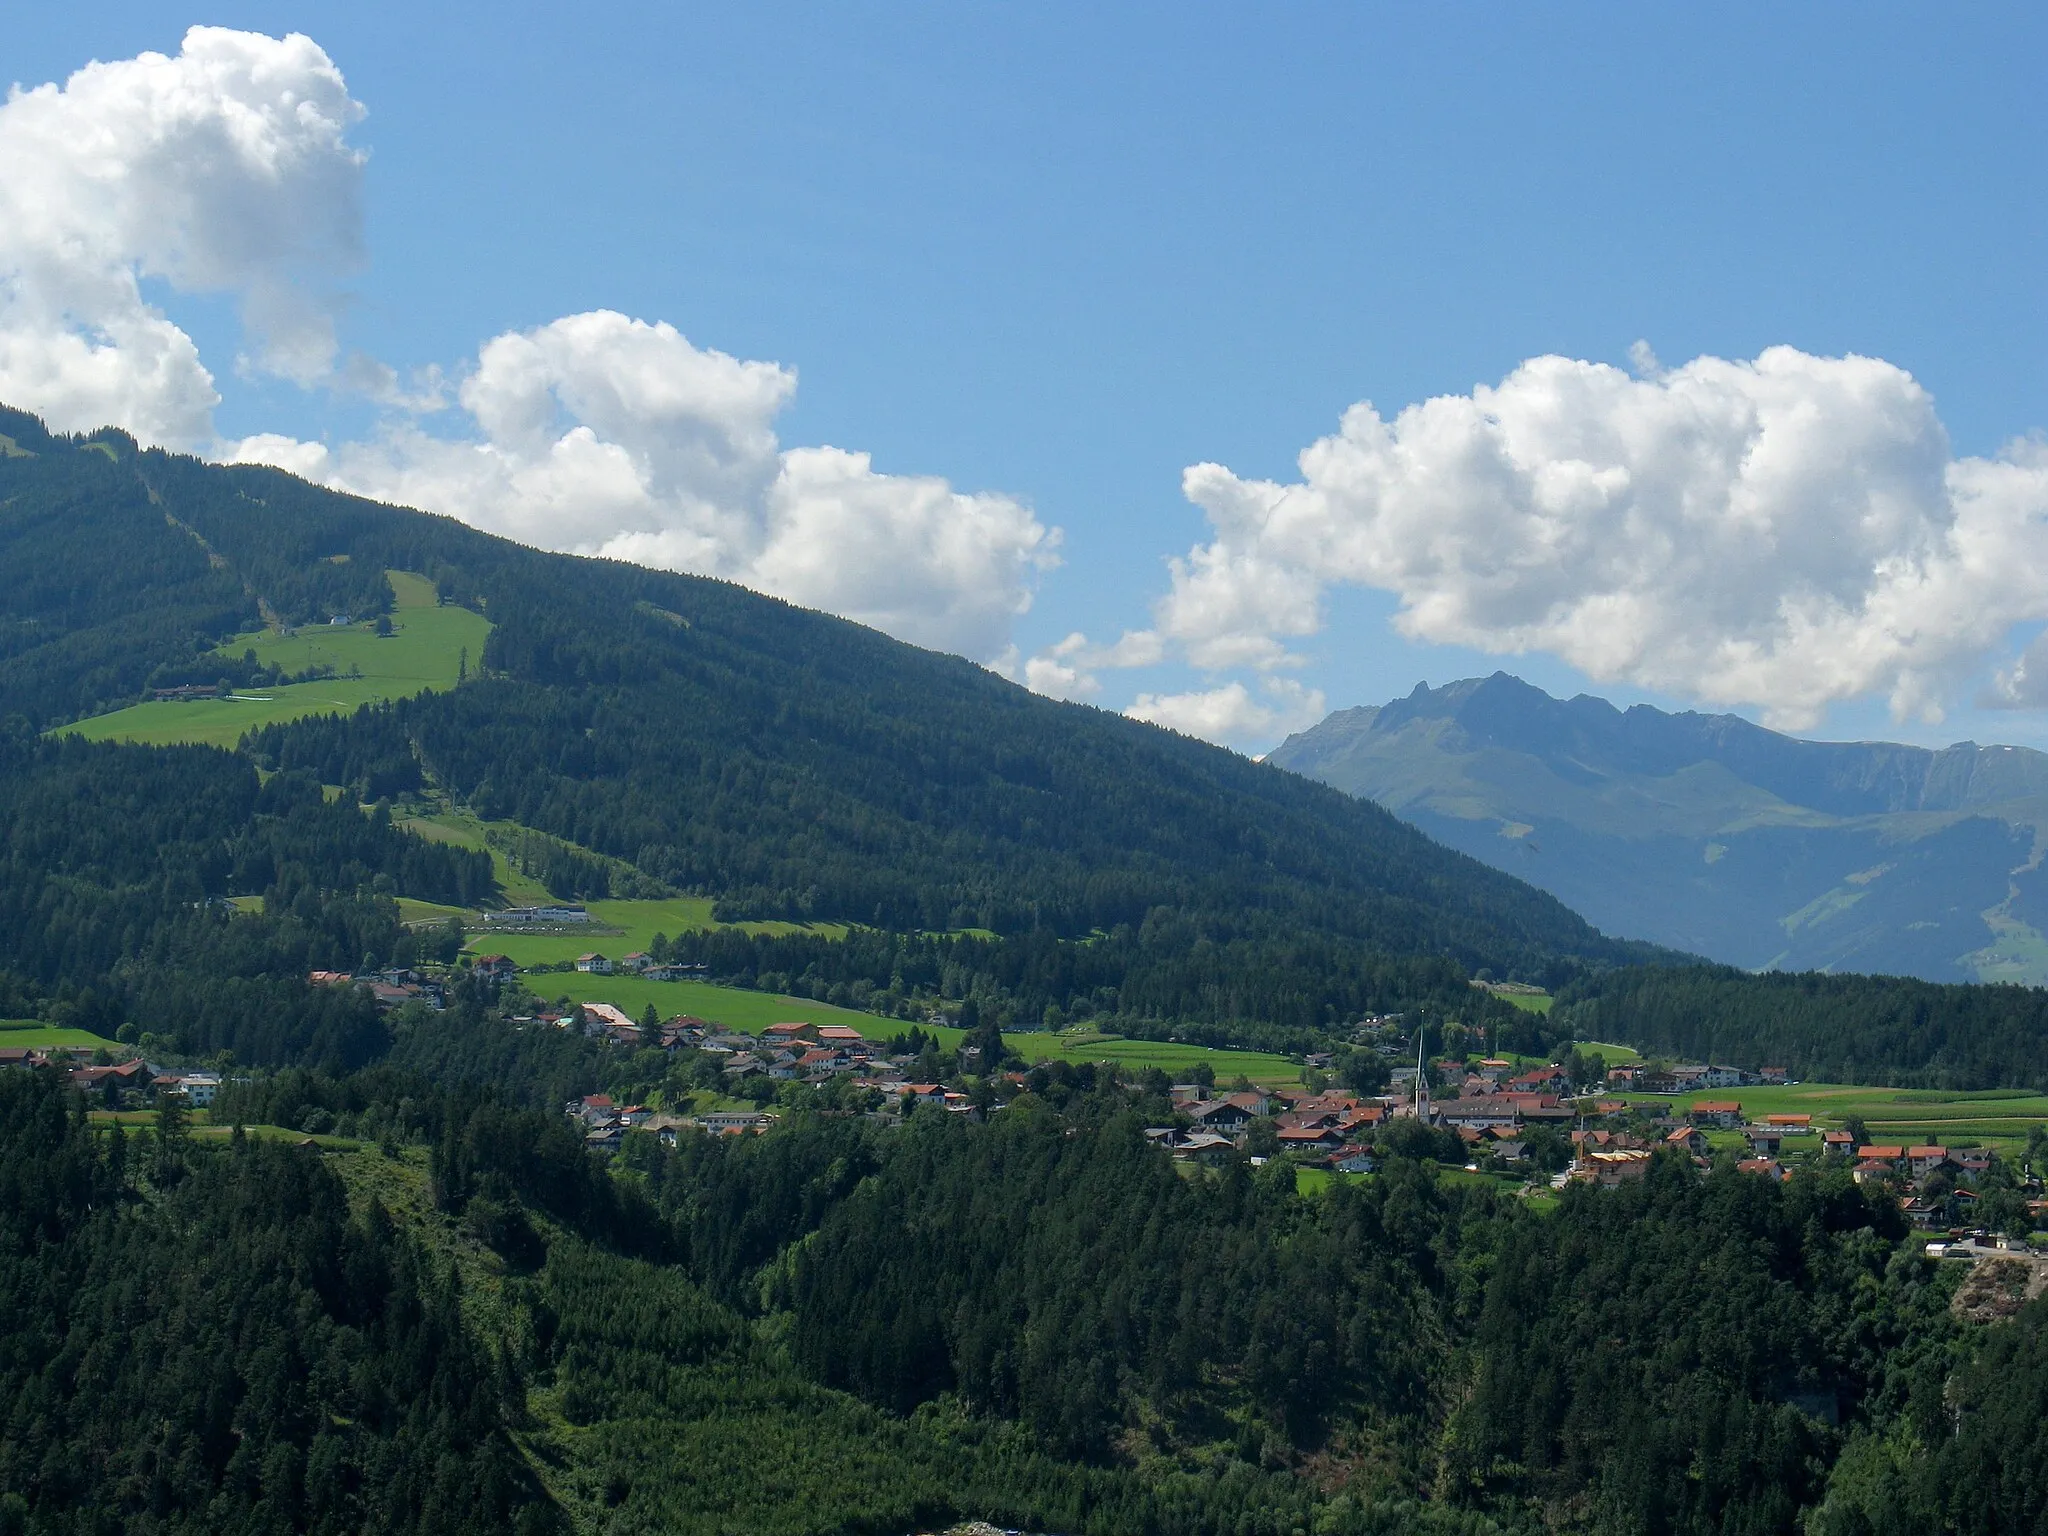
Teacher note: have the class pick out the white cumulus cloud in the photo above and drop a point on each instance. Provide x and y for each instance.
(224, 169)
(1232, 713)
(1782, 533)
(603, 435)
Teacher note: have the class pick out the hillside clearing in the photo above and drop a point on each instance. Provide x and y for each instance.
(425, 651)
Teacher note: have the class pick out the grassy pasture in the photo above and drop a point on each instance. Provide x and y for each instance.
(638, 922)
(423, 652)
(201, 1128)
(33, 1034)
(748, 1012)
(1170, 1057)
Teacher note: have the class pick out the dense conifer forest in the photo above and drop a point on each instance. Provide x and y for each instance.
(1848, 1029)
(841, 1326)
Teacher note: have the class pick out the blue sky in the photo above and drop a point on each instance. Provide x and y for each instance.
(1060, 253)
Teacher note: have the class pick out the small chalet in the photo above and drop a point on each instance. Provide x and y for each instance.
(1310, 1139)
(1765, 1167)
(1722, 1114)
(1608, 1169)
(495, 968)
(1218, 1114)
(593, 964)
(1206, 1148)
(1764, 1140)
(1689, 1139)
(636, 962)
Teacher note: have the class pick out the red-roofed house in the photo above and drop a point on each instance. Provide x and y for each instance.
(1689, 1139)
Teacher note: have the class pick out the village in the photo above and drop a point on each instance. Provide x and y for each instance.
(1532, 1125)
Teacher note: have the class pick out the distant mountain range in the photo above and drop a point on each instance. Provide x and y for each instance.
(1710, 834)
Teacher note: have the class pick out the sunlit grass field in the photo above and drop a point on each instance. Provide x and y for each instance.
(424, 652)
(33, 1034)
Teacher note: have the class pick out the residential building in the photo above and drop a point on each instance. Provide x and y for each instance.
(1721, 1114)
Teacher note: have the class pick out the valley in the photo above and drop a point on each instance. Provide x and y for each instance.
(1024, 1130)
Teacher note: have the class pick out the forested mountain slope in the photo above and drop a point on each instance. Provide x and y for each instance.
(1713, 835)
(787, 762)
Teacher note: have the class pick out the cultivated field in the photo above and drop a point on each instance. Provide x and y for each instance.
(1997, 1118)
(423, 652)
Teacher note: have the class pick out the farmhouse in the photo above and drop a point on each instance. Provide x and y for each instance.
(1310, 1139)
(594, 964)
(1689, 1139)
(1608, 1169)
(1207, 1148)
(1219, 1114)
(1722, 1114)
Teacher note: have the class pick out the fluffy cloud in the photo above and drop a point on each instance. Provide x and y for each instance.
(1233, 713)
(226, 169)
(222, 170)
(1782, 533)
(1066, 669)
(603, 435)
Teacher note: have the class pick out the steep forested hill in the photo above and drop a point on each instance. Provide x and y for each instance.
(789, 763)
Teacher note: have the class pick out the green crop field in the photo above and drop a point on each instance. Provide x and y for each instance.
(1998, 1117)
(32, 1034)
(423, 652)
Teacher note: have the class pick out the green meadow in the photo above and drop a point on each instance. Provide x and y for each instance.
(32, 1034)
(637, 921)
(424, 651)
(735, 1007)
(1170, 1057)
